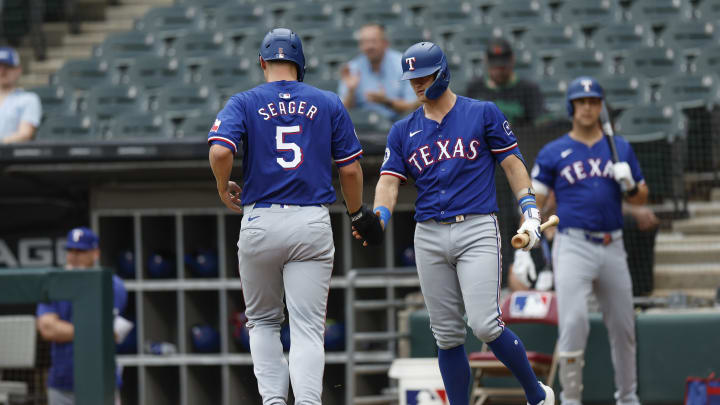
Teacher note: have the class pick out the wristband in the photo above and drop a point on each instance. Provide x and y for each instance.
(384, 213)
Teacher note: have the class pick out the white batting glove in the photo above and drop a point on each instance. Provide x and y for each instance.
(121, 328)
(544, 281)
(623, 175)
(531, 226)
(524, 267)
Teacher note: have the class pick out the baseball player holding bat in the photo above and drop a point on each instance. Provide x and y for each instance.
(589, 181)
(290, 133)
(450, 146)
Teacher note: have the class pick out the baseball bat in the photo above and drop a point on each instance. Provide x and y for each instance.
(521, 240)
(608, 129)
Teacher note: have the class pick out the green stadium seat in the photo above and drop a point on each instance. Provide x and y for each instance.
(450, 12)
(621, 39)
(401, 38)
(519, 14)
(67, 128)
(324, 84)
(196, 127)
(690, 36)
(223, 94)
(651, 122)
(310, 16)
(707, 61)
(225, 71)
(240, 21)
(589, 13)
(170, 19)
(81, 74)
(368, 123)
(690, 91)
(126, 45)
(658, 13)
(526, 65)
(182, 101)
(709, 10)
(135, 125)
(578, 62)
(553, 91)
(386, 13)
(550, 40)
(105, 101)
(153, 72)
(55, 100)
(623, 92)
(197, 46)
(653, 63)
(460, 39)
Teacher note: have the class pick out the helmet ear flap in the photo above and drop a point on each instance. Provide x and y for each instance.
(441, 83)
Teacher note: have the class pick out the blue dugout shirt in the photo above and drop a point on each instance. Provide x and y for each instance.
(61, 354)
(290, 134)
(452, 162)
(588, 197)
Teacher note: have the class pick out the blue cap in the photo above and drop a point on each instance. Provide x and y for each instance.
(82, 239)
(9, 56)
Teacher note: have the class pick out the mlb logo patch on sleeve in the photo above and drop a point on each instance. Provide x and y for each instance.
(215, 126)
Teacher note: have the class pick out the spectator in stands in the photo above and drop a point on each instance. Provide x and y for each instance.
(520, 100)
(20, 111)
(54, 319)
(372, 80)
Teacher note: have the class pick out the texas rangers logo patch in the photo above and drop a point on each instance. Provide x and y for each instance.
(426, 397)
(411, 63)
(387, 155)
(215, 126)
(506, 127)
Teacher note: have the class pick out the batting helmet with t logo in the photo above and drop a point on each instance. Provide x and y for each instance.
(424, 59)
(283, 44)
(582, 87)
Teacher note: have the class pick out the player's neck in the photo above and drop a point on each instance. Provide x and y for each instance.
(586, 135)
(437, 109)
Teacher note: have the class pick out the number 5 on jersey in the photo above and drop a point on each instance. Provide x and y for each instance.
(283, 146)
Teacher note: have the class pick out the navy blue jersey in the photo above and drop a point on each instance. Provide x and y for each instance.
(453, 162)
(588, 197)
(290, 133)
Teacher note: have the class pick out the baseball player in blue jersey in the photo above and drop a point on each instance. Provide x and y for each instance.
(450, 146)
(588, 252)
(54, 319)
(290, 133)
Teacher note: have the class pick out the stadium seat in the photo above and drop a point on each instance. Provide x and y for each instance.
(464, 40)
(182, 101)
(578, 62)
(651, 122)
(105, 101)
(125, 45)
(526, 65)
(310, 16)
(658, 13)
(707, 61)
(195, 127)
(55, 100)
(621, 39)
(153, 72)
(226, 71)
(198, 46)
(324, 84)
(589, 13)
(401, 38)
(451, 12)
(171, 19)
(653, 63)
(532, 315)
(240, 21)
(81, 74)
(689, 36)
(369, 123)
(519, 14)
(708, 10)
(67, 127)
(623, 92)
(551, 39)
(690, 91)
(386, 13)
(553, 91)
(137, 125)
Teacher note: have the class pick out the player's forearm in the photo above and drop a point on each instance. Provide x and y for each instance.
(351, 185)
(221, 160)
(516, 174)
(641, 197)
(56, 330)
(386, 192)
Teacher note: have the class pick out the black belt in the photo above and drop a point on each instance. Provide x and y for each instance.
(451, 220)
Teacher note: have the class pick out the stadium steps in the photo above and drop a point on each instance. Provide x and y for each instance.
(62, 45)
(715, 194)
(703, 225)
(687, 276)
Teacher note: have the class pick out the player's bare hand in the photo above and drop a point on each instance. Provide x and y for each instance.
(350, 79)
(644, 216)
(230, 196)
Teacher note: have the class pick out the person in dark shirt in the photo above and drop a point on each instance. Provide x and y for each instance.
(519, 99)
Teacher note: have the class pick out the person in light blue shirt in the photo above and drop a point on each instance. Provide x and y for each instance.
(20, 110)
(372, 80)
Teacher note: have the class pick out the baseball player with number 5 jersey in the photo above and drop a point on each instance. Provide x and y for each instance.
(450, 146)
(588, 251)
(290, 133)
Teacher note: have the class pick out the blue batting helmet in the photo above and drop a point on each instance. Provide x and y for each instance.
(424, 59)
(582, 87)
(203, 263)
(283, 44)
(205, 339)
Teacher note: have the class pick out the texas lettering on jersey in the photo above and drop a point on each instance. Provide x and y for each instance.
(580, 170)
(424, 157)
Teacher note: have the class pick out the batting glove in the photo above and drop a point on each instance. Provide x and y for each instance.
(367, 224)
(524, 267)
(623, 175)
(531, 226)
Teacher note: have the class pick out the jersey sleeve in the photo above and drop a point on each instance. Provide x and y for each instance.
(393, 162)
(632, 160)
(498, 134)
(229, 127)
(46, 308)
(542, 173)
(346, 146)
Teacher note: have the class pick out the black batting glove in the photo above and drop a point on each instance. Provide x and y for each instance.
(367, 224)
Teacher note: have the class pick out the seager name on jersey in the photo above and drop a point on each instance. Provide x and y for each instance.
(288, 108)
